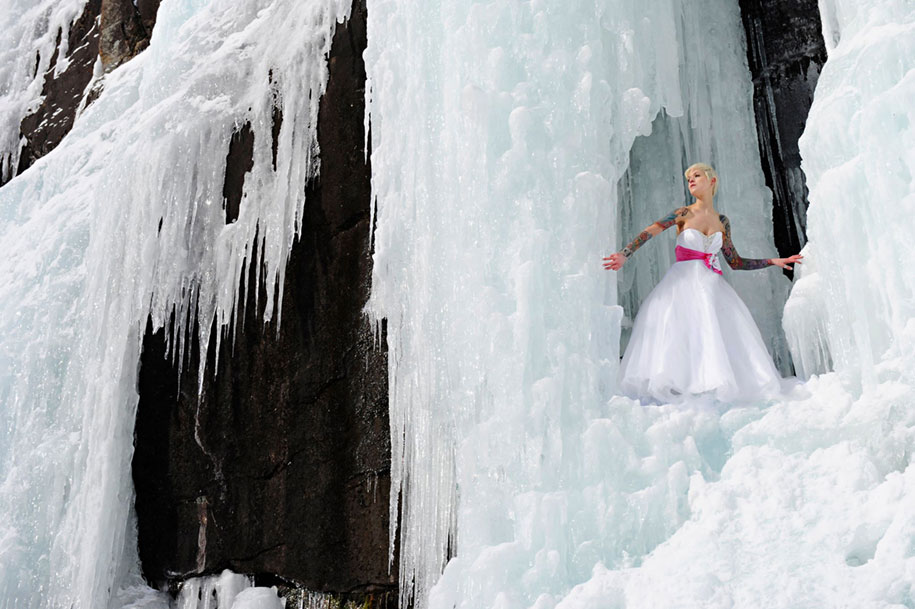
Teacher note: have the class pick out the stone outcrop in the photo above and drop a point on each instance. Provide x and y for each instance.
(281, 467)
(786, 52)
(125, 30)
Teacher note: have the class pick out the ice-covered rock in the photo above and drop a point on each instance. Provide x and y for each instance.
(501, 131)
(125, 219)
(34, 40)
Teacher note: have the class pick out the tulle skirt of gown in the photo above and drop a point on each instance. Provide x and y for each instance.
(693, 335)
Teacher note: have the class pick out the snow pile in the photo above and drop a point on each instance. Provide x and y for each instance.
(502, 132)
(125, 219)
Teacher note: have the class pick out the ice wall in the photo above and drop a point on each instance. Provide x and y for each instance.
(807, 502)
(124, 220)
(500, 133)
(855, 305)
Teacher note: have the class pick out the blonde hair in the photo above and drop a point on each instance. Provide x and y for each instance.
(709, 172)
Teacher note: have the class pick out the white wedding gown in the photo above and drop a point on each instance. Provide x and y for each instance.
(693, 335)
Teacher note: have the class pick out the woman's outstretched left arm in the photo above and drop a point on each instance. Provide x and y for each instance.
(736, 262)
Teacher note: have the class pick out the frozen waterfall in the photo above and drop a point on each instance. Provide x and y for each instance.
(856, 305)
(122, 221)
(513, 143)
(498, 163)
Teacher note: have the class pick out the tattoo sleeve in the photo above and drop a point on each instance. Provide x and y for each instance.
(730, 252)
(665, 223)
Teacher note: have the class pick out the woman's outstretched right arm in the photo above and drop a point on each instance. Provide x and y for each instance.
(615, 261)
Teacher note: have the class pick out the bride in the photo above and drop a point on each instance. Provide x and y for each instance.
(693, 335)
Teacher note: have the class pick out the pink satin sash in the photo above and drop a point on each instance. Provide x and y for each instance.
(684, 253)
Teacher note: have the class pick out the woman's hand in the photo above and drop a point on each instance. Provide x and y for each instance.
(614, 262)
(786, 263)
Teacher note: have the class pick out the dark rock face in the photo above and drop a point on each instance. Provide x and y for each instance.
(281, 467)
(786, 52)
(101, 29)
(147, 10)
(239, 161)
(125, 30)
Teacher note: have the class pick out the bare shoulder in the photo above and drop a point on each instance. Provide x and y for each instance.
(725, 223)
(681, 214)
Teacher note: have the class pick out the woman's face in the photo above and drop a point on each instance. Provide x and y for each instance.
(699, 184)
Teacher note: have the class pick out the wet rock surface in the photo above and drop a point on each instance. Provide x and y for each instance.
(786, 52)
(281, 467)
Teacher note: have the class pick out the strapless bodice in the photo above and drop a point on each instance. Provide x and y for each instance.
(694, 239)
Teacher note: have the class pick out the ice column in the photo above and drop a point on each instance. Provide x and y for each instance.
(854, 303)
(124, 220)
(499, 133)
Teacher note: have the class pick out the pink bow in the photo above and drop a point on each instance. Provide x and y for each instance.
(684, 253)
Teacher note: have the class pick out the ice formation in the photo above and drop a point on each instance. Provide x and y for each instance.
(502, 134)
(228, 591)
(125, 220)
(502, 325)
(856, 305)
(513, 144)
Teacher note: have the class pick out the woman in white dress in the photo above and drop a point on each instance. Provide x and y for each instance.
(693, 335)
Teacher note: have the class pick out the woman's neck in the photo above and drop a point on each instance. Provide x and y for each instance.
(705, 203)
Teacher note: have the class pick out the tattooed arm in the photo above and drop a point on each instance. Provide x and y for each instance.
(615, 261)
(661, 225)
(730, 252)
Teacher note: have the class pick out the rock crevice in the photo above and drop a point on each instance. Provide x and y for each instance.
(785, 52)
